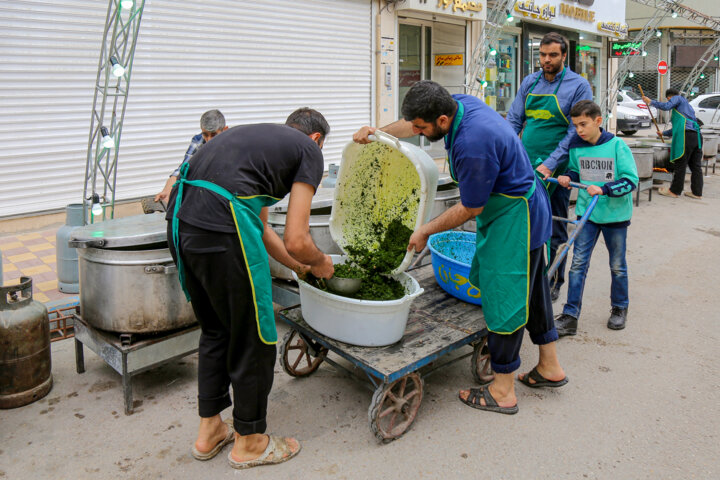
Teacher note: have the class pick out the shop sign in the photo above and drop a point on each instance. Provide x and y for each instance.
(448, 60)
(625, 49)
(601, 17)
(456, 8)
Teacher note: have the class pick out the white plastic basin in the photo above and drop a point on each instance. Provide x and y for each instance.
(358, 322)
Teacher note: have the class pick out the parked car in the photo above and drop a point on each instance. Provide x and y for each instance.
(631, 119)
(628, 98)
(706, 107)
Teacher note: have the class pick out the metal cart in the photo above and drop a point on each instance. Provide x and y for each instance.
(437, 325)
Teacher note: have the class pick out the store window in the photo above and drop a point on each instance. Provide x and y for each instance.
(501, 75)
(587, 65)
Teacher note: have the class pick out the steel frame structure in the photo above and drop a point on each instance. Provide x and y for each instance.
(108, 111)
(699, 68)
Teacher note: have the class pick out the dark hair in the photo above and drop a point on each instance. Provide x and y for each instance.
(427, 100)
(554, 37)
(308, 121)
(671, 92)
(587, 108)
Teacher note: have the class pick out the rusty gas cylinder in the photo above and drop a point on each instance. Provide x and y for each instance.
(24, 346)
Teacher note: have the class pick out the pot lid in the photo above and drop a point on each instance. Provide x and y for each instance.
(323, 198)
(122, 232)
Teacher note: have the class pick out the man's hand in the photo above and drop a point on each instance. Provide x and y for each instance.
(326, 269)
(564, 181)
(646, 100)
(361, 136)
(594, 190)
(546, 172)
(163, 196)
(418, 240)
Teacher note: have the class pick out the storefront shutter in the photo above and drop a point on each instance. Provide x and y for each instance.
(255, 61)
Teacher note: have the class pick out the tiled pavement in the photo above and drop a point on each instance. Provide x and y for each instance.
(32, 255)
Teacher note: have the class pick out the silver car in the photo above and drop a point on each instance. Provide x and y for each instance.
(707, 108)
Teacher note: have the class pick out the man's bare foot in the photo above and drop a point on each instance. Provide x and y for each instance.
(212, 431)
(554, 374)
(508, 399)
(249, 447)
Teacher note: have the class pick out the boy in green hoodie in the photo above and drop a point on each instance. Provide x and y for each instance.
(604, 163)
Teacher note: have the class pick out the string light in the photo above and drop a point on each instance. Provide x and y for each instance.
(97, 208)
(107, 140)
(117, 69)
(493, 52)
(658, 33)
(127, 4)
(631, 74)
(510, 17)
(674, 14)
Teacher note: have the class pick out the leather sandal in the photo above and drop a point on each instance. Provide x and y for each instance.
(541, 381)
(476, 394)
(277, 447)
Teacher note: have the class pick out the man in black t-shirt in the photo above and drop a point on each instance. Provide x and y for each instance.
(220, 239)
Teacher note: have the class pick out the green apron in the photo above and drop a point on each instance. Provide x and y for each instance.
(250, 228)
(545, 126)
(677, 147)
(501, 264)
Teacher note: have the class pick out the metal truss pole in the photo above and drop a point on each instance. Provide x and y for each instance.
(111, 93)
(683, 11)
(699, 67)
(481, 57)
(648, 31)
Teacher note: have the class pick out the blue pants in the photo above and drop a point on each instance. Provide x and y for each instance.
(615, 240)
(505, 348)
(559, 203)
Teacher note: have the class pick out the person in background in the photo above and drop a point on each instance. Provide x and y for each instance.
(686, 147)
(220, 240)
(499, 189)
(603, 162)
(540, 111)
(212, 123)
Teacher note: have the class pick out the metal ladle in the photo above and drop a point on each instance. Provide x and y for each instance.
(346, 286)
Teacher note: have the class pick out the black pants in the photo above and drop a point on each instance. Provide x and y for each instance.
(692, 159)
(230, 351)
(505, 349)
(559, 204)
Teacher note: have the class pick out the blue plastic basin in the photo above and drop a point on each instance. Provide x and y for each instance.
(452, 253)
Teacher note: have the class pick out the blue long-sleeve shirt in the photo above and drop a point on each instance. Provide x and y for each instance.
(679, 103)
(196, 142)
(573, 89)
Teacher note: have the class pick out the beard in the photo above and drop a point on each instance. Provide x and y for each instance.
(552, 69)
(437, 134)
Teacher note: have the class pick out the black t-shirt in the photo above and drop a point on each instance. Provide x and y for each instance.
(262, 159)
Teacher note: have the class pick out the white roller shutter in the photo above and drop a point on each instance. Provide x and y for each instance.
(255, 61)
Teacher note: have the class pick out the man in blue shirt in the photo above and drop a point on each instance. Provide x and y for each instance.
(212, 123)
(499, 189)
(541, 111)
(686, 148)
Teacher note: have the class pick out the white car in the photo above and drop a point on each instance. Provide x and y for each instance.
(628, 98)
(631, 119)
(706, 107)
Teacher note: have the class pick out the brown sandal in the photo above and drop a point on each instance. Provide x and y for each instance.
(277, 447)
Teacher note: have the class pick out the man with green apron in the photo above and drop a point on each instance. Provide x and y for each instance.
(541, 112)
(500, 190)
(686, 147)
(220, 240)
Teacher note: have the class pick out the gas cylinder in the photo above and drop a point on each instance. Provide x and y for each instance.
(24, 346)
(66, 257)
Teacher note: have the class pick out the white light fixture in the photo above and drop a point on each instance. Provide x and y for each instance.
(610, 115)
(484, 83)
(127, 4)
(658, 33)
(493, 52)
(644, 53)
(674, 14)
(510, 17)
(117, 69)
(631, 74)
(582, 37)
(97, 208)
(702, 75)
(107, 140)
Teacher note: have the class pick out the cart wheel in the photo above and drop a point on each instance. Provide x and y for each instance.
(480, 363)
(394, 407)
(297, 360)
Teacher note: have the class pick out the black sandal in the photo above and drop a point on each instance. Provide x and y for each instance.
(491, 405)
(541, 381)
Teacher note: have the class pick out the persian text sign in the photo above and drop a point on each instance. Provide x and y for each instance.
(456, 8)
(601, 17)
(448, 60)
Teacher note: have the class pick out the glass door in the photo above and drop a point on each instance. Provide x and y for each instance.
(501, 75)
(414, 62)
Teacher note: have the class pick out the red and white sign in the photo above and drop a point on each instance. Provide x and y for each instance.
(662, 67)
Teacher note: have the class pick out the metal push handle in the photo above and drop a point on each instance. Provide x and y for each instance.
(572, 184)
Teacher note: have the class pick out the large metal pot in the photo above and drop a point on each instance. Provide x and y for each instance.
(447, 195)
(710, 145)
(644, 157)
(319, 228)
(128, 280)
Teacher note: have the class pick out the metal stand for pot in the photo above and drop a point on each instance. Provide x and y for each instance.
(644, 184)
(130, 358)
